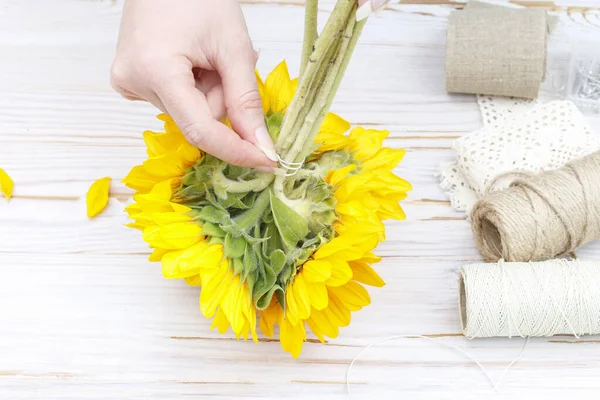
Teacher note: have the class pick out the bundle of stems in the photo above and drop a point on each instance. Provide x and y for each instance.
(324, 61)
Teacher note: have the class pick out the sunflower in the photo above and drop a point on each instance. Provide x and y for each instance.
(298, 256)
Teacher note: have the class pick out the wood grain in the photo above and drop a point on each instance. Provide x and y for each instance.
(83, 314)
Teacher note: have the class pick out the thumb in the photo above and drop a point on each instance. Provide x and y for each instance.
(243, 101)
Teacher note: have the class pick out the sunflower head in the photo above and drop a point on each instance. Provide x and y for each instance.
(293, 250)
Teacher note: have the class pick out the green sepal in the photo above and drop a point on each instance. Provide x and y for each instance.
(264, 300)
(238, 266)
(234, 246)
(273, 121)
(212, 214)
(278, 260)
(291, 226)
(212, 230)
(215, 240)
(250, 262)
(234, 201)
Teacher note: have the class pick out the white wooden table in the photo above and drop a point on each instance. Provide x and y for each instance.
(83, 315)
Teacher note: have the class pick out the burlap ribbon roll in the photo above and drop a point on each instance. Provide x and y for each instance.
(497, 51)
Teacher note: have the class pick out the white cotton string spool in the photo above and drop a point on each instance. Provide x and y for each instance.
(556, 297)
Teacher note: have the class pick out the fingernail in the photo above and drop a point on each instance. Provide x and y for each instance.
(364, 11)
(265, 143)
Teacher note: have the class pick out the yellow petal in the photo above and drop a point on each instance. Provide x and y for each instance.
(141, 180)
(316, 270)
(194, 280)
(260, 84)
(340, 272)
(336, 177)
(385, 158)
(97, 197)
(269, 317)
(337, 312)
(6, 184)
(353, 295)
(157, 255)
(322, 322)
(278, 89)
(175, 236)
(335, 124)
(364, 273)
(292, 337)
(367, 142)
(301, 295)
(318, 295)
(220, 322)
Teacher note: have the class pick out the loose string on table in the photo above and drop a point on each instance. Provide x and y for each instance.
(495, 385)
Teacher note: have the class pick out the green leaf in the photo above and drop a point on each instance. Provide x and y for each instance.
(234, 246)
(291, 226)
(251, 262)
(215, 240)
(280, 295)
(234, 201)
(238, 266)
(212, 230)
(264, 300)
(212, 214)
(277, 261)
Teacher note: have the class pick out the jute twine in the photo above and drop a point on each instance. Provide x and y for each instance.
(530, 299)
(543, 216)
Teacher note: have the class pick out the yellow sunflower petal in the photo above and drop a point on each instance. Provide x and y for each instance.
(6, 184)
(385, 158)
(97, 197)
(292, 337)
(336, 177)
(269, 317)
(157, 254)
(220, 322)
(141, 180)
(302, 296)
(340, 272)
(353, 295)
(323, 322)
(335, 124)
(364, 273)
(317, 292)
(260, 84)
(316, 270)
(367, 142)
(194, 280)
(278, 89)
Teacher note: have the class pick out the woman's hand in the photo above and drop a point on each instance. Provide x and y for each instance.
(194, 60)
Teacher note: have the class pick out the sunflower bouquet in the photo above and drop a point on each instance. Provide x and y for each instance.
(293, 248)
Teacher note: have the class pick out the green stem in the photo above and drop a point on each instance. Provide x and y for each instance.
(334, 25)
(310, 32)
(255, 185)
(302, 147)
(250, 217)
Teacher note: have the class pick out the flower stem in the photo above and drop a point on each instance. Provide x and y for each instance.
(310, 32)
(302, 147)
(257, 184)
(334, 26)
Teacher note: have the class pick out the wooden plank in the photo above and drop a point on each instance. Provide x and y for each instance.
(89, 326)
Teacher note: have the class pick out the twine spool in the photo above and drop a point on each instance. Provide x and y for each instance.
(530, 299)
(543, 216)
